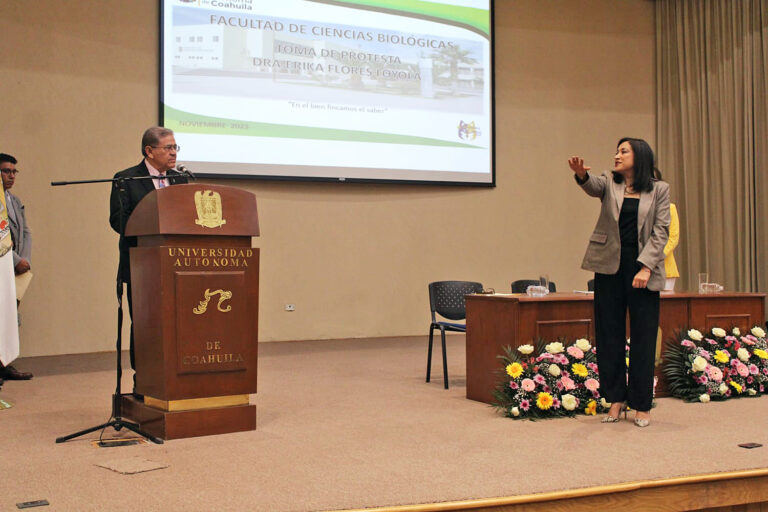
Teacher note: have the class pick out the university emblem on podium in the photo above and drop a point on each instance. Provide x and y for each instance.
(208, 204)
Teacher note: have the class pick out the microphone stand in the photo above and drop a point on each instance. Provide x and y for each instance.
(116, 420)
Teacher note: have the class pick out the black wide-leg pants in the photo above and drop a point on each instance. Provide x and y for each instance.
(613, 295)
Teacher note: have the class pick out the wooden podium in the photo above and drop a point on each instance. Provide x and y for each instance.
(195, 291)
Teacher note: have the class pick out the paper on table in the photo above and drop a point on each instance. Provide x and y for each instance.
(22, 283)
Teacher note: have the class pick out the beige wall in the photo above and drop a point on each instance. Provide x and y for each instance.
(79, 85)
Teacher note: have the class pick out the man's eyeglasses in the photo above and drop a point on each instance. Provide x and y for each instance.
(12, 172)
(169, 147)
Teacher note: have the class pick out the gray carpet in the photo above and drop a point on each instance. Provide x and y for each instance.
(348, 424)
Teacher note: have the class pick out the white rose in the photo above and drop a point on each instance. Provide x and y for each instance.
(743, 354)
(699, 364)
(555, 347)
(736, 331)
(704, 398)
(723, 388)
(720, 333)
(568, 401)
(515, 411)
(695, 335)
(525, 349)
(554, 370)
(751, 392)
(583, 344)
(758, 332)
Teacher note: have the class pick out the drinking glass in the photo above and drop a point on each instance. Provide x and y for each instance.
(703, 279)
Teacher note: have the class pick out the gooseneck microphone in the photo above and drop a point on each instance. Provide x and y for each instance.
(183, 169)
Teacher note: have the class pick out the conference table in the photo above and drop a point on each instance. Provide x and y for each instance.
(500, 320)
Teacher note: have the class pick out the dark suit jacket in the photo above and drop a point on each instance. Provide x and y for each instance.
(135, 190)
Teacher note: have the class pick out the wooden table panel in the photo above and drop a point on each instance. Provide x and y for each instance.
(496, 321)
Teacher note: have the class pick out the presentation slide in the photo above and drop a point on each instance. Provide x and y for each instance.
(373, 90)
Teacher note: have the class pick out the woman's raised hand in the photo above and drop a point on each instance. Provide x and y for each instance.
(577, 165)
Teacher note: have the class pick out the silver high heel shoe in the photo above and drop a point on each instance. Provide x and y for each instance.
(642, 422)
(617, 418)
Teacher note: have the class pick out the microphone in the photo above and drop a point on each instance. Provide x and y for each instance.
(183, 169)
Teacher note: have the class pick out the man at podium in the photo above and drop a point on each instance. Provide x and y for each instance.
(158, 146)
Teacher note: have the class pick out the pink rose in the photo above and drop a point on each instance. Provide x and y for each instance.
(528, 385)
(747, 341)
(575, 352)
(753, 369)
(568, 383)
(591, 384)
(688, 344)
(714, 373)
(742, 369)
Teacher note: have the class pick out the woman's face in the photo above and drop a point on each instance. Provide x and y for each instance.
(624, 161)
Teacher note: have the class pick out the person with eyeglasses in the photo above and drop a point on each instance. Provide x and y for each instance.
(159, 148)
(21, 238)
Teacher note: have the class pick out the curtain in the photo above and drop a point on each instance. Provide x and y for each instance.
(712, 136)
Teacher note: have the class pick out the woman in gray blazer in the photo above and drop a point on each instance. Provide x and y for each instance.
(626, 252)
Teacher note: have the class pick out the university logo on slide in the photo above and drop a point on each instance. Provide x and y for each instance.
(468, 131)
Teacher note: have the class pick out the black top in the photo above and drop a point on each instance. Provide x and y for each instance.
(628, 222)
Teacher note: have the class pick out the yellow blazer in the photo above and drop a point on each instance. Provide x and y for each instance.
(674, 238)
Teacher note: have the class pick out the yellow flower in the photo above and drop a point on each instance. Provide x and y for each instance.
(721, 356)
(762, 354)
(514, 370)
(579, 369)
(591, 408)
(736, 386)
(544, 401)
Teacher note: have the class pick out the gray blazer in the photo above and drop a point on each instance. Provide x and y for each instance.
(20, 233)
(604, 249)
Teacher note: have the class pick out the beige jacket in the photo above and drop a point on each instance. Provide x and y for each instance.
(604, 249)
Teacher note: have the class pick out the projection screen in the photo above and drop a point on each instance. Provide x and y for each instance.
(348, 90)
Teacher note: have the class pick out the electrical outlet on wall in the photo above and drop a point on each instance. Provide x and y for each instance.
(290, 307)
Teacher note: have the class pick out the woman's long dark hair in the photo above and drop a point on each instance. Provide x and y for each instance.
(644, 165)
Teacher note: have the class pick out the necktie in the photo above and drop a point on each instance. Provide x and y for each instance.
(161, 181)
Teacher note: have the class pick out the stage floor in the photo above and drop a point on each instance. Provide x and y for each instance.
(346, 424)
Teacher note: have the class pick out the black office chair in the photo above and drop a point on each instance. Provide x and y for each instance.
(591, 285)
(446, 298)
(521, 285)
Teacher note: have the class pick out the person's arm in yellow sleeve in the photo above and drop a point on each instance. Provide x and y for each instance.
(674, 230)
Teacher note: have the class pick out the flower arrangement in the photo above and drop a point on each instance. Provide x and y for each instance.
(717, 366)
(549, 380)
